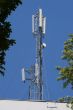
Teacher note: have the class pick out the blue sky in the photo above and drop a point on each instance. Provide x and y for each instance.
(59, 14)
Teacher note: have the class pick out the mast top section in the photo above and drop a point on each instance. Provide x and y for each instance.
(38, 23)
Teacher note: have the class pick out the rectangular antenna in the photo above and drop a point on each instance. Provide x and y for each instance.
(40, 18)
(23, 74)
(44, 25)
(32, 23)
(37, 73)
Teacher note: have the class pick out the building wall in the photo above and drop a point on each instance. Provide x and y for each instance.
(31, 105)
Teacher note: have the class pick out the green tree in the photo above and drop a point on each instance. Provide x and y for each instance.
(66, 73)
(6, 8)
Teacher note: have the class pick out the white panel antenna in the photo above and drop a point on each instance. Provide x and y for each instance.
(32, 23)
(40, 18)
(37, 73)
(23, 74)
(44, 25)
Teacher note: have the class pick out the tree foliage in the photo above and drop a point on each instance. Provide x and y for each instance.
(68, 100)
(6, 8)
(66, 73)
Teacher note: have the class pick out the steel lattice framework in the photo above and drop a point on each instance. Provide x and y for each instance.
(38, 30)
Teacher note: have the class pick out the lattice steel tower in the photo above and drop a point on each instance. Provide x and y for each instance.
(38, 30)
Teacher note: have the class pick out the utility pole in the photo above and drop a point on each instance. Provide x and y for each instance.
(38, 30)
